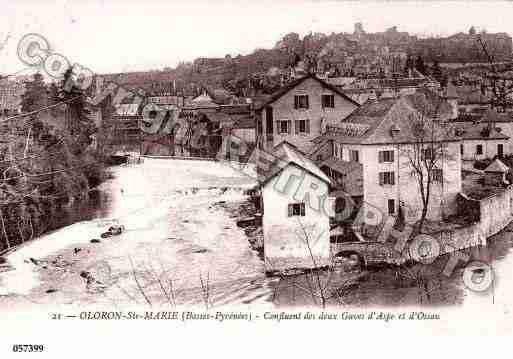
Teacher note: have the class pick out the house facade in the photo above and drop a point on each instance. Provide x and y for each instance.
(380, 136)
(479, 142)
(300, 112)
(503, 124)
(485, 136)
(295, 219)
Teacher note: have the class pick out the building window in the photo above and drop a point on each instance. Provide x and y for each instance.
(386, 156)
(427, 154)
(354, 156)
(259, 126)
(391, 207)
(340, 205)
(301, 101)
(500, 150)
(461, 150)
(284, 126)
(337, 150)
(269, 118)
(328, 101)
(437, 175)
(302, 126)
(386, 178)
(296, 209)
(479, 149)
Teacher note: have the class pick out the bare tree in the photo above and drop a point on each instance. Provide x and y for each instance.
(428, 149)
(500, 80)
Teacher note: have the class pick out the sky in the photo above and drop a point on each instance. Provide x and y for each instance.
(129, 35)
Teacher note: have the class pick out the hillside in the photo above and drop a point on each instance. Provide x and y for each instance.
(342, 54)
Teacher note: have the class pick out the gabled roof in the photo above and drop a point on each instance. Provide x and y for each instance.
(352, 172)
(286, 154)
(359, 95)
(497, 166)
(284, 90)
(371, 115)
(439, 106)
(341, 166)
(479, 131)
(384, 121)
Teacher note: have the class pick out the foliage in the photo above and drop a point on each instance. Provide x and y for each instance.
(35, 95)
(47, 162)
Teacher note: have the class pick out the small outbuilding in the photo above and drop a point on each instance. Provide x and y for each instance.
(296, 211)
(495, 173)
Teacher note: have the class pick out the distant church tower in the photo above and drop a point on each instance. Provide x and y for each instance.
(358, 28)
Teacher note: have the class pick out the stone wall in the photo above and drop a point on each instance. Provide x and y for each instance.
(496, 212)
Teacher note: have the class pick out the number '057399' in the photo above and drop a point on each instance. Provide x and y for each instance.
(18, 348)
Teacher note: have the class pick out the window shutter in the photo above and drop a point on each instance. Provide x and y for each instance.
(296, 102)
(289, 127)
(381, 178)
(392, 178)
(307, 103)
(380, 156)
(302, 209)
(290, 210)
(333, 101)
(307, 126)
(278, 127)
(296, 124)
(392, 156)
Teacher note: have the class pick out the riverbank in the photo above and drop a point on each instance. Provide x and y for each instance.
(176, 235)
(182, 247)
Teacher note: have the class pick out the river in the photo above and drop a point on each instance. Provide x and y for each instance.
(182, 247)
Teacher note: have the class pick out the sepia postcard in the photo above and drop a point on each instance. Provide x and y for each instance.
(248, 178)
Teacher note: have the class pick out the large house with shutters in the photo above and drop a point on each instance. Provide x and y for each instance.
(380, 136)
(300, 112)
